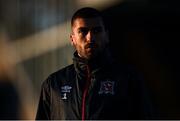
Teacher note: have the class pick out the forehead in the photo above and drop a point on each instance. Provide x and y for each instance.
(88, 22)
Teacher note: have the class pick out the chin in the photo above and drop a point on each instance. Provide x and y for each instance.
(92, 56)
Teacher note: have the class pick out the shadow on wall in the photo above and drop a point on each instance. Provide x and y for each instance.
(13, 104)
(145, 34)
(9, 102)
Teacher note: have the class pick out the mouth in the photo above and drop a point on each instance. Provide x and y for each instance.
(90, 46)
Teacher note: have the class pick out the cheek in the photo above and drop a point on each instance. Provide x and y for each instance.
(75, 41)
(80, 41)
(102, 40)
(78, 45)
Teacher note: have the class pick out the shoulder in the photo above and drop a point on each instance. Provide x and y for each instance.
(130, 71)
(62, 72)
(59, 76)
(120, 68)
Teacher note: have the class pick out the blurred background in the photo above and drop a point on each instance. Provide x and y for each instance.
(34, 42)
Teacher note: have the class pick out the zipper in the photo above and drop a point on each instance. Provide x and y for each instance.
(85, 92)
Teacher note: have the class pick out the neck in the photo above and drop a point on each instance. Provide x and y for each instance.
(95, 62)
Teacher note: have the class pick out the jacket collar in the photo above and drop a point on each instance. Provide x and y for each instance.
(94, 64)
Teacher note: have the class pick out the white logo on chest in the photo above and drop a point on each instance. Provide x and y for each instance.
(64, 90)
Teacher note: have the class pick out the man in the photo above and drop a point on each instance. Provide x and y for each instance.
(94, 86)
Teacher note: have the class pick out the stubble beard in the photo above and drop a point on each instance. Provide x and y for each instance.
(91, 54)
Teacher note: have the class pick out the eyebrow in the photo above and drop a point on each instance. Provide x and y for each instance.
(80, 28)
(97, 27)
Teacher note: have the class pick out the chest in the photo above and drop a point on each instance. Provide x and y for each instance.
(105, 95)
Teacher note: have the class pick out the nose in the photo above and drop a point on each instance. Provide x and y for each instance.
(90, 36)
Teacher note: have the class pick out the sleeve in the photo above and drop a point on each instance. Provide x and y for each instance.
(141, 94)
(43, 110)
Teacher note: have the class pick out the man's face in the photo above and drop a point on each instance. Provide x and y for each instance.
(89, 37)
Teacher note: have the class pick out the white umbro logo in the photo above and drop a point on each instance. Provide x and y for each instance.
(64, 90)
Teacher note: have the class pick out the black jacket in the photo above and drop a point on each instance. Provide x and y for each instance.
(96, 89)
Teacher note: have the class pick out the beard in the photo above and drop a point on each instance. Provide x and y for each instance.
(90, 51)
(90, 45)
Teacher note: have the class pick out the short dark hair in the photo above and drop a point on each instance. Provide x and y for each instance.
(86, 12)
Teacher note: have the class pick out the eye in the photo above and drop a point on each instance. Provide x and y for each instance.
(83, 31)
(97, 30)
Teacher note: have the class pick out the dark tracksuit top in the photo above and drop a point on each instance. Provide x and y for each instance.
(98, 89)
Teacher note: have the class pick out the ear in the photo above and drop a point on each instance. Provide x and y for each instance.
(72, 39)
(107, 36)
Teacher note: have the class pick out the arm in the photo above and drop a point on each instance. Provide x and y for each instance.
(142, 98)
(43, 111)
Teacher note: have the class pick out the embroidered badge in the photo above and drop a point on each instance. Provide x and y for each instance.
(64, 90)
(64, 96)
(107, 87)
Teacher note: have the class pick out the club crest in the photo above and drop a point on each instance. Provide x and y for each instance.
(107, 87)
